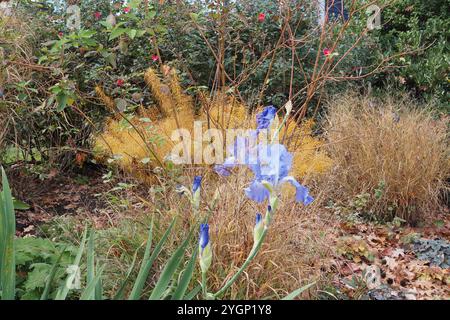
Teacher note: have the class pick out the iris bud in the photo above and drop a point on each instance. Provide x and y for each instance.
(196, 192)
(204, 247)
(258, 229)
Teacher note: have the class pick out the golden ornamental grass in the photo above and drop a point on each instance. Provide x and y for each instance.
(391, 143)
(174, 109)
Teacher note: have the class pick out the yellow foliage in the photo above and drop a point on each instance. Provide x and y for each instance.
(183, 102)
(125, 141)
(225, 112)
(108, 101)
(309, 158)
(160, 91)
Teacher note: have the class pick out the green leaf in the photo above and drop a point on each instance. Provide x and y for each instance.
(169, 270)
(143, 272)
(140, 33)
(99, 287)
(7, 246)
(134, 4)
(186, 278)
(191, 295)
(22, 96)
(89, 291)
(56, 89)
(37, 277)
(106, 24)
(160, 29)
(49, 102)
(51, 276)
(20, 205)
(89, 43)
(194, 16)
(90, 260)
(117, 32)
(121, 292)
(111, 58)
(147, 262)
(62, 99)
(87, 33)
(151, 14)
(132, 33)
(62, 292)
(299, 291)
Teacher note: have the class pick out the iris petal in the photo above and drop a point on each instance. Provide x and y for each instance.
(264, 119)
(220, 169)
(197, 183)
(224, 168)
(301, 192)
(271, 162)
(257, 192)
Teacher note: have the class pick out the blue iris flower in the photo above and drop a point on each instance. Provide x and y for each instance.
(264, 119)
(272, 164)
(239, 154)
(204, 235)
(224, 168)
(197, 183)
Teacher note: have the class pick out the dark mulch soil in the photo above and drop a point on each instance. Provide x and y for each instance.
(56, 194)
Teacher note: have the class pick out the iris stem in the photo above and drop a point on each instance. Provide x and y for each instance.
(279, 127)
(244, 265)
(268, 218)
(204, 288)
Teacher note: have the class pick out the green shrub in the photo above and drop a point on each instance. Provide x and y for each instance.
(423, 28)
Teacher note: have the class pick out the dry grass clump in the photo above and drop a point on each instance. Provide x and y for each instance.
(16, 50)
(398, 155)
(294, 253)
(16, 59)
(4, 123)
